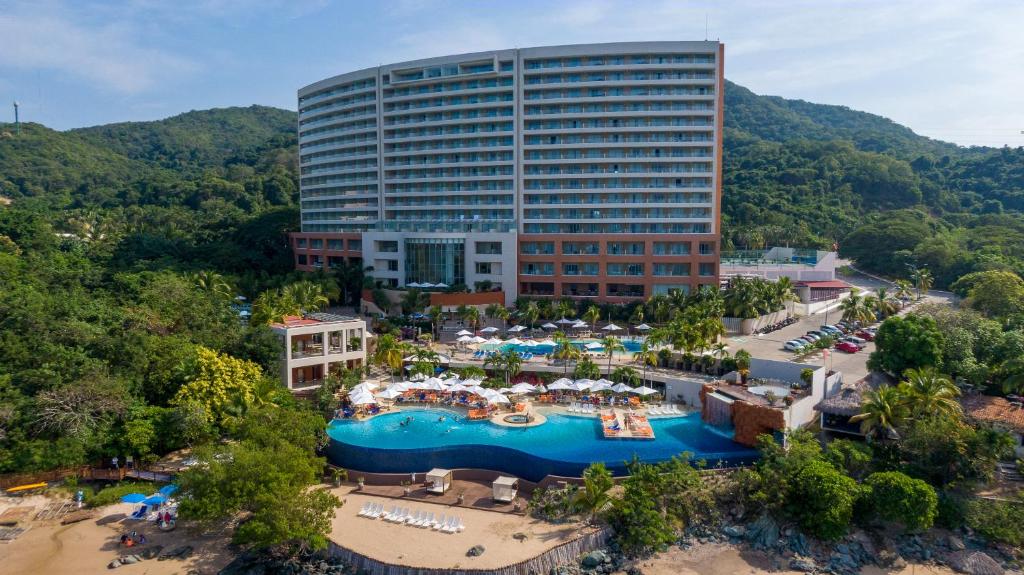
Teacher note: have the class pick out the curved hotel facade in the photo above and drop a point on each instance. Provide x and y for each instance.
(582, 171)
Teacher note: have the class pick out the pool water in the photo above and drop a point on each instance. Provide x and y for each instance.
(762, 390)
(565, 445)
(631, 346)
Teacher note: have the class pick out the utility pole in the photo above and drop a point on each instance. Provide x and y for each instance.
(17, 124)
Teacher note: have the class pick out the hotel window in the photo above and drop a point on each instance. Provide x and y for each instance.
(706, 269)
(301, 242)
(669, 288)
(483, 268)
(616, 269)
(392, 265)
(355, 245)
(671, 248)
(535, 248)
(625, 248)
(537, 269)
(707, 249)
(303, 260)
(387, 246)
(335, 244)
(490, 248)
(679, 270)
(577, 248)
(317, 244)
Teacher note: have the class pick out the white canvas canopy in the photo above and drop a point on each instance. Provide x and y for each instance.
(494, 341)
(505, 489)
(426, 285)
(465, 339)
(440, 480)
(478, 339)
(598, 386)
(559, 385)
(567, 321)
(643, 327)
(401, 386)
(644, 390)
(515, 341)
(413, 285)
(549, 325)
(604, 381)
(516, 329)
(362, 399)
(418, 377)
(498, 398)
(562, 380)
(523, 388)
(580, 324)
(582, 384)
(489, 329)
(548, 341)
(441, 285)
(593, 345)
(611, 327)
(457, 387)
(621, 388)
(465, 332)
(389, 393)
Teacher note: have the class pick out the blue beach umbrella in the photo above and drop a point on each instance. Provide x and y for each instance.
(154, 500)
(133, 498)
(168, 490)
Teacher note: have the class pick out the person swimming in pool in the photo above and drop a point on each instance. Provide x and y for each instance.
(440, 419)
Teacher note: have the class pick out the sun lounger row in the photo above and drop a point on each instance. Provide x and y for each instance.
(421, 519)
(664, 410)
(581, 408)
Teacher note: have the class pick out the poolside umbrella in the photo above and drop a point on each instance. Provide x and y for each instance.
(426, 285)
(523, 388)
(478, 339)
(547, 342)
(465, 332)
(389, 393)
(598, 386)
(494, 341)
(471, 382)
(504, 390)
(133, 498)
(477, 390)
(562, 380)
(549, 325)
(621, 388)
(611, 327)
(643, 327)
(516, 329)
(417, 377)
(515, 341)
(566, 321)
(498, 398)
(465, 339)
(580, 324)
(441, 285)
(593, 345)
(362, 399)
(168, 490)
(401, 386)
(530, 343)
(155, 499)
(434, 384)
(560, 385)
(644, 390)
(413, 285)
(582, 384)
(365, 386)
(604, 381)
(541, 388)
(458, 387)
(489, 329)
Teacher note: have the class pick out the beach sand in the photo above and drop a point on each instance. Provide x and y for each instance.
(88, 546)
(412, 546)
(723, 559)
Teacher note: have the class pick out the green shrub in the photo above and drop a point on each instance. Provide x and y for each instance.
(894, 496)
(951, 511)
(853, 457)
(640, 528)
(822, 499)
(997, 520)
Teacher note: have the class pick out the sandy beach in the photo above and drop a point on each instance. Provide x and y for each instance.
(88, 546)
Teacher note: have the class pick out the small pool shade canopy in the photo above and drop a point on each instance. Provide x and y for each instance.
(644, 390)
(580, 325)
(598, 386)
(611, 327)
(549, 325)
(621, 388)
(465, 332)
(441, 285)
(514, 341)
(566, 321)
(489, 329)
(593, 345)
(505, 489)
(414, 285)
(478, 339)
(389, 393)
(439, 480)
(516, 329)
(643, 327)
(558, 385)
(133, 498)
(523, 388)
(465, 339)
(168, 490)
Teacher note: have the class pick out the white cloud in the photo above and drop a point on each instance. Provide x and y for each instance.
(110, 56)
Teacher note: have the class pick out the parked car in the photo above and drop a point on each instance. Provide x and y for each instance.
(795, 345)
(812, 336)
(848, 347)
(859, 341)
(807, 338)
(831, 329)
(865, 334)
(820, 333)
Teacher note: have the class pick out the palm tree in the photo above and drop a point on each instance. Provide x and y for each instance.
(565, 308)
(390, 353)
(509, 362)
(565, 351)
(902, 288)
(306, 295)
(436, 313)
(1012, 375)
(594, 497)
(591, 316)
(611, 344)
(881, 412)
(885, 303)
(531, 312)
(923, 280)
(647, 356)
(720, 351)
(625, 374)
(212, 283)
(743, 364)
(854, 309)
(503, 313)
(929, 393)
(472, 315)
(272, 306)
(637, 317)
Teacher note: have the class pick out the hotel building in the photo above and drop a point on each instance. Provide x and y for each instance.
(584, 171)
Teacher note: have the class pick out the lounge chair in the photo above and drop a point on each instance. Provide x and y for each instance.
(438, 523)
(415, 518)
(451, 526)
(378, 511)
(140, 513)
(386, 515)
(429, 521)
(365, 509)
(460, 527)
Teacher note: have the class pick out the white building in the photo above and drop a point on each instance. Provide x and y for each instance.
(589, 171)
(774, 263)
(319, 344)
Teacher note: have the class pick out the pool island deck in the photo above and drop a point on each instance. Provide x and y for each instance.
(628, 426)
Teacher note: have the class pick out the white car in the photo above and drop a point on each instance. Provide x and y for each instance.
(794, 345)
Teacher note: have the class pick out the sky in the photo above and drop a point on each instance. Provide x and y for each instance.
(949, 69)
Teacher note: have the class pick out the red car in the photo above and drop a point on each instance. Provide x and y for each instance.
(848, 347)
(866, 335)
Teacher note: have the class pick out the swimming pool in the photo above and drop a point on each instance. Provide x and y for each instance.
(631, 346)
(565, 445)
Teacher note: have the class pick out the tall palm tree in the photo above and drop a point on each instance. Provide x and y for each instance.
(472, 315)
(881, 412)
(390, 354)
(595, 495)
(930, 393)
(923, 280)
(885, 302)
(611, 344)
(271, 306)
(625, 374)
(591, 316)
(212, 283)
(637, 317)
(508, 361)
(565, 351)
(902, 288)
(647, 356)
(854, 309)
(720, 351)
(531, 312)
(565, 308)
(436, 313)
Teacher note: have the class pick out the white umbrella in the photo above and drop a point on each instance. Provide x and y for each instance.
(363, 387)
(514, 341)
(498, 398)
(458, 387)
(559, 385)
(598, 386)
(441, 285)
(361, 398)
(603, 381)
(541, 388)
(549, 325)
(547, 342)
(434, 383)
(389, 393)
(643, 390)
(567, 321)
(580, 325)
(413, 285)
(529, 343)
(418, 377)
(477, 390)
(465, 332)
(611, 327)
(401, 386)
(593, 345)
(489, 329)
(426, 285)
(582, 384)
(562, 380)
(643, 327)
(465, 339)
(621, 388)
(494, 341)
(523, 388)
(516, 329)
(471, 382)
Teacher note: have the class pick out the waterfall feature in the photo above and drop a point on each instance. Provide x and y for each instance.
(717, 409)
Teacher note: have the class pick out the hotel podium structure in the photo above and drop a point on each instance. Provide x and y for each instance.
(584, 171)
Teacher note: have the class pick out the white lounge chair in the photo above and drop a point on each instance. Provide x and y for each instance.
(460, 527)
(391, 514)
(399, 516)
(414, 518)
(437, 524)
(449, 526)
(365, 509)
(429, 521)
(378, 511)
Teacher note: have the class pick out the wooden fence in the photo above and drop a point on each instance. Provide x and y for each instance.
(88, 473)
(567, 552)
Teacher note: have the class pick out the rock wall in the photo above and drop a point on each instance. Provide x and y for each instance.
(753, 420)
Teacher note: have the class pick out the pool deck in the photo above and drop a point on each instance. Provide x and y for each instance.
(475, 494)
